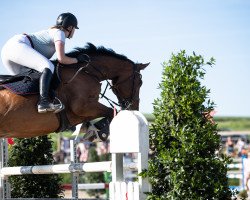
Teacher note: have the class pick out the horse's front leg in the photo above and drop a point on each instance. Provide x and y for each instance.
(92, 110)
(98, 131)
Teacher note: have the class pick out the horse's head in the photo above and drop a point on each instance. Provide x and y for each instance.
(125, 74)
(127, 90)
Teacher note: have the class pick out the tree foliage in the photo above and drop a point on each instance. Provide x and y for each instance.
(29, 152)
(183, 138)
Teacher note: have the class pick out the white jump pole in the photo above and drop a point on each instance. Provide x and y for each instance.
(129, 134)
(58, 169)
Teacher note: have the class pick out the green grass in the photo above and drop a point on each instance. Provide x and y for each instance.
(233, 123)
(234, 181)
(224, 123)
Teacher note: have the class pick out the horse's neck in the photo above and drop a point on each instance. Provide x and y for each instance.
(102, 68)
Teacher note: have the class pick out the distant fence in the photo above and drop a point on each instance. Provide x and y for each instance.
(239, 169)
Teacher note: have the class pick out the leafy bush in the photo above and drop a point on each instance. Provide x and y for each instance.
(29, 152)
(184, 139)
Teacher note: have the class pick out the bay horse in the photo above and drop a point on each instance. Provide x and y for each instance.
(79, 91)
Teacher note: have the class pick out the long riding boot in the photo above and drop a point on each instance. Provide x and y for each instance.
(44, 105)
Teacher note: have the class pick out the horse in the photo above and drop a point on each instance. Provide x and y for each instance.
(79, 89)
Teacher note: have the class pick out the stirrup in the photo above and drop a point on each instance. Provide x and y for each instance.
(52, 107)
(59, 106)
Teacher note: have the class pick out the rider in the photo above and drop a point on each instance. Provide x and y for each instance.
(34, 51)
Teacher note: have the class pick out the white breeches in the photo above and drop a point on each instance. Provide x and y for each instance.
(17, 54)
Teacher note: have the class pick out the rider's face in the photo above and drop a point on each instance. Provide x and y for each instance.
(70, 32)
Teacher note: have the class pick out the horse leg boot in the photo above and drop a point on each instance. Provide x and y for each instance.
(103, 127)
(99, 131)
(44, 105)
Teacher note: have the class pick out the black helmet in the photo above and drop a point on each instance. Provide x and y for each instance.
(66, 19)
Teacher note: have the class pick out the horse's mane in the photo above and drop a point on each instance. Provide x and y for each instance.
(91, 49)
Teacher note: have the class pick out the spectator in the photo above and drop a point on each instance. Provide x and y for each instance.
(229, 146)
(65, 148)
(82, 151)
(102, 148)
(239, 146)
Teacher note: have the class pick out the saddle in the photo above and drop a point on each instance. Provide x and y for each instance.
(6, 78)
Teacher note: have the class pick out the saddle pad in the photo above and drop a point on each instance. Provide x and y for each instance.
(23, 88)
(29, 84)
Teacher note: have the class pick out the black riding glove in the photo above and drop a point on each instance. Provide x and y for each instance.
(82, 58)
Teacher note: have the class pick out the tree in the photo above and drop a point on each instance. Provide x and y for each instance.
(184, 139)
(29, 152)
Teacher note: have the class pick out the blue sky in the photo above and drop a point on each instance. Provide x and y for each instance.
(150, 31)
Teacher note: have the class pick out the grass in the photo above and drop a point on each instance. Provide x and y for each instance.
(234, 181)
(224, 123)
(233, 123)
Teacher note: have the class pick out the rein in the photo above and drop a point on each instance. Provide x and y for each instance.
(79, 70)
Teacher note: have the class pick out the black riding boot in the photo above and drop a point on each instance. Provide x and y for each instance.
(44, 105)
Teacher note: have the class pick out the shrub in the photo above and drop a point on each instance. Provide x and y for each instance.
(29, 152)
(183, 138)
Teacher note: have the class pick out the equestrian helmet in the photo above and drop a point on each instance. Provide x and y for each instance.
(66, 19)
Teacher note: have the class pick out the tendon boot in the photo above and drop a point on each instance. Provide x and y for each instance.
(98, 132)
(45, 105)
(103, 127)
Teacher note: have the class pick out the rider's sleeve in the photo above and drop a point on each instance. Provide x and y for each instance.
(59, 35)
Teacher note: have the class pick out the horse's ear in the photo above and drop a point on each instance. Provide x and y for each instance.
(142, 66)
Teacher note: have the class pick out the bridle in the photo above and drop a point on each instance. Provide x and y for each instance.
(127, 102)
(124, 102)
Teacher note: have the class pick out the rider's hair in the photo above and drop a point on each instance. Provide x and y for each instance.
(58, 27)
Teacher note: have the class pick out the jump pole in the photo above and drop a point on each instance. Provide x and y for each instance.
(58, 169)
